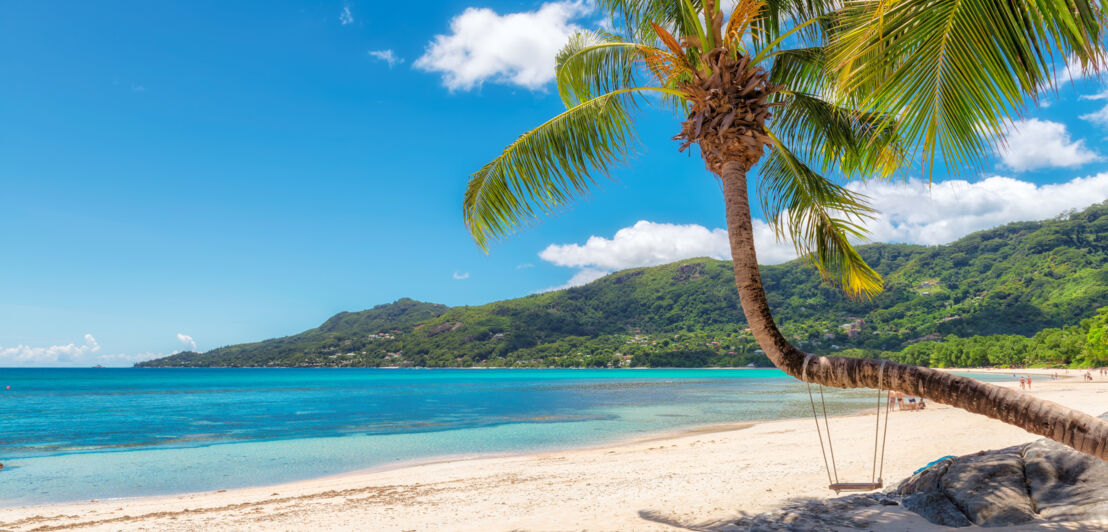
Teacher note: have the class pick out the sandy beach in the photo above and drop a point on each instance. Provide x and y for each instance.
(697, 479)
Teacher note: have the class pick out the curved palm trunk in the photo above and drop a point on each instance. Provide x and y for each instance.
(1064, 425)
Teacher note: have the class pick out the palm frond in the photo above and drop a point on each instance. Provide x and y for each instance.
(774, 16)
(819, 217)
(742, 18)
(595, 63)
(777, 17)
(804, 70)
(839, 139)
(639, 16)
(957, 71)
(548, 166)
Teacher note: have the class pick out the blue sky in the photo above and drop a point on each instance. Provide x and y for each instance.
(210, 173)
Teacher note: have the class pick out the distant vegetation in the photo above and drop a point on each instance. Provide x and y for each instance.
(1024, 293)
(1084, 345)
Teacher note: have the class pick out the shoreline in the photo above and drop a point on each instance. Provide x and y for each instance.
(692, 475)
(616, 441)
(602, 443)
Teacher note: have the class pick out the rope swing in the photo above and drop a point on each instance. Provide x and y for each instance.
(879, 435)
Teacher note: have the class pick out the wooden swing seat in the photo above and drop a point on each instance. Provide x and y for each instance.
(856, 486)
(876, 481)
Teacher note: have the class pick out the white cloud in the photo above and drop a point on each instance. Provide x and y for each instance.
(24, 355)
(346, 17)
(387, 56)
(582, 277)
(460, 276)
(516, 48)
(1072, 71)
(908, 212)
(1097, 117)
(1103, 95)
(1067, 74)
(124, 360)
(952, 209)
(649, 244)
(86, 354)
(1033, 143)
(187, 341)
(525, 265)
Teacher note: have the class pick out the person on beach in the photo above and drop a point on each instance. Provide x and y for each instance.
(1029, 382)
(892, 399)
(900, 401)
(1021, 383)
(912, 404)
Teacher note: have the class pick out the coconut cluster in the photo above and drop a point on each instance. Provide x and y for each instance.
(730, 107)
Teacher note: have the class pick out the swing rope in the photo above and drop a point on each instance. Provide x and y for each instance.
(879, 436)
(877, 428)
(819, 433)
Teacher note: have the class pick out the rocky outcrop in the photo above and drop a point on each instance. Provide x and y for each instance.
(1039, 482)
(1042, 480)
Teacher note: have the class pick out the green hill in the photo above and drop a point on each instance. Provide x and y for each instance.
(1016, 279)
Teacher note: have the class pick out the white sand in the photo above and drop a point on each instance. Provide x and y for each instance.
(692, 479)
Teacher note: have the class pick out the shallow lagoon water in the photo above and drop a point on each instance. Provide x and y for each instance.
(77, 434)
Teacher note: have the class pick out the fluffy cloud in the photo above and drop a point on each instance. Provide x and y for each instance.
(516, 48)
(460, 276)
(346, 17)
(1066, 74)
(1036, 143)
(24, 355)
(72, 355)
(909, 212)
(1103, 95)
(946, 211)
(387, 56)
(582, 277)
(187, 341)
(1097, 117)
(1072, 71)
(649, 244)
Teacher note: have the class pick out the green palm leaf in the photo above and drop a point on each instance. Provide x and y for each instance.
(780, 16)
(549, 165)
(637, 15)
(595, 63)
(802, 70)
(839, 139)
(819, 217)
(958, 71)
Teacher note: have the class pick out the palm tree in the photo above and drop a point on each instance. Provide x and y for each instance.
(808, 88)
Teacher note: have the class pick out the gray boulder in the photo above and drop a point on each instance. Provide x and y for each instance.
(1064, 484)
(1042, 480)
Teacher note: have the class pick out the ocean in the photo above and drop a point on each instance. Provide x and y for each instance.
(78, 434)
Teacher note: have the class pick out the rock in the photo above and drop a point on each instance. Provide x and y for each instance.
(989, 487)
(935, 507)
(929, 479)
(1038, 481)
(1066, 485)
(810, 515)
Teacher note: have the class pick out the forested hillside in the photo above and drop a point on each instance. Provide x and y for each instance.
(1013, 280)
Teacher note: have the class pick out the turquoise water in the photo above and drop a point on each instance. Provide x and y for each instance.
(77, 434)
